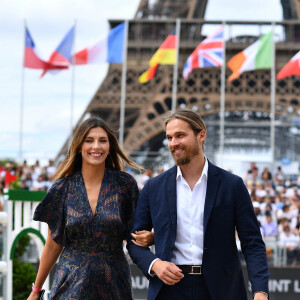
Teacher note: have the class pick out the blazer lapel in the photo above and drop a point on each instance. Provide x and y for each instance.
(213, 182)
(171, 199)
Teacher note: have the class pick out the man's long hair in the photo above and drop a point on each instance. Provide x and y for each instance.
(189, 116)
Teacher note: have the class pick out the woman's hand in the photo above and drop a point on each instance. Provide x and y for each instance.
(143, 238)
(34, 296)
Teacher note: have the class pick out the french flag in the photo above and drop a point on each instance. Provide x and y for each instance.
(31, 59)
(62, 54)
(109, 49)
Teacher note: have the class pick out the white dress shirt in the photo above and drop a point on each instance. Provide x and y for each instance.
(188, 248)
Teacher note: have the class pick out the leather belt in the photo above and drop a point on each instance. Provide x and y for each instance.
(190, 269)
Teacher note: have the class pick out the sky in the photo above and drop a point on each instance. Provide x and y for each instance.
(47, 101)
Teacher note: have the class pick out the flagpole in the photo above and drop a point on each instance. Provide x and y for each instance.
(222, 99)
(272, 112)
(22, 101)
(123, 86)
(73, 63)
(175, 70)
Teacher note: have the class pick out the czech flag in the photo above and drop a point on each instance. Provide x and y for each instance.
(291, 68)
(31, 59)
(62, 54)
(165, 55)
(109, 49)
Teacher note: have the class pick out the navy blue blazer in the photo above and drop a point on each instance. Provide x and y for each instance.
(227, 208)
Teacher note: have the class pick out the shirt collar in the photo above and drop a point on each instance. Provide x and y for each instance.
(204, 171)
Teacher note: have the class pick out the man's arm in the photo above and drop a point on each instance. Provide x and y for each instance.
(142, 256)
(252, 244)
(167, 272)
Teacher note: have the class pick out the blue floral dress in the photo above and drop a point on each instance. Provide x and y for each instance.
(92, 264)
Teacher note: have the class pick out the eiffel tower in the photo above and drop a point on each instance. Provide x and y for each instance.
(247, 103)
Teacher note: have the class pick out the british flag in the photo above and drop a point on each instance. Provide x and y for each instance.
(209, 53)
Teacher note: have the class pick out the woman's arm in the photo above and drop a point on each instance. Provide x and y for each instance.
(143, 238)
(49, 257)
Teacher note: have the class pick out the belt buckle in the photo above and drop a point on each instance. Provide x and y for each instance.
(196, 270)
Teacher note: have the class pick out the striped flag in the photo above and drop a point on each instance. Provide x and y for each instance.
(31, 58)
(209, 53)
(291, 68)
(62, 54)
(165, 55)
(257, 56)
(109, 49)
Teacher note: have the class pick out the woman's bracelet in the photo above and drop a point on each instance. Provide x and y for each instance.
(36, 290)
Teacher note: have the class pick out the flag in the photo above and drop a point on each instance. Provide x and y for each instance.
(9, 178)
(209, 53)
(62, 54)
(109, 49)
(31, 59)
(257, 56)
(165, 55)
(291, 68)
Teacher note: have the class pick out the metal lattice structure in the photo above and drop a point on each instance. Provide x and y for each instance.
(247, 105)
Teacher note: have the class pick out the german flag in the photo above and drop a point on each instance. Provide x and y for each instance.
(165, 55)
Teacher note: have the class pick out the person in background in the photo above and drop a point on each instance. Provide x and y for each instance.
(50, 170)
(269, 227)
(160, 170)
(145, 177)
(290, 241)
(266, 175)
(279, 176)
(252, 174)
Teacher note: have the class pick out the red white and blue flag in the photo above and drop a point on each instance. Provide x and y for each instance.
(62, 54)
(31, 58)
(209, 53)
(108, 49)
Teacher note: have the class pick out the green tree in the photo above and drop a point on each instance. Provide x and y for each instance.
(23, 273)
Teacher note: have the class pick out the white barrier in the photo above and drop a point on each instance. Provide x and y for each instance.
(17, 221)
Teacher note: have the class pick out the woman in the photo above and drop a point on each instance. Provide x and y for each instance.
(89, 211)
(266, 175)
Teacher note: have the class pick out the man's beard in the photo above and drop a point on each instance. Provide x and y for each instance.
(186, 158)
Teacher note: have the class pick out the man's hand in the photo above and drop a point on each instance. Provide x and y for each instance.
(168, 272)
(143, 238)
(260, 296)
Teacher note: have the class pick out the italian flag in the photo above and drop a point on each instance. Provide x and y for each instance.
(257, 56)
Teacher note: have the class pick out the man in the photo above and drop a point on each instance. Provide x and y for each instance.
(195, 209)
(269, 227)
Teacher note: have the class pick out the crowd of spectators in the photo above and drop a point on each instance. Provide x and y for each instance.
(33, 177)
(275, 198)
(276, 201)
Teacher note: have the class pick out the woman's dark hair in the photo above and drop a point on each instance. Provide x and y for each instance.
(73, 160)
